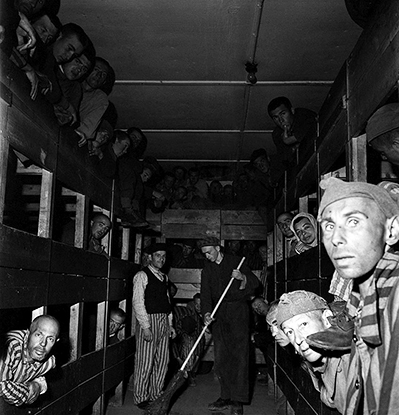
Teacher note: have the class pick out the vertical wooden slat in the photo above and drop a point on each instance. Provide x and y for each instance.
(4, 148)
(100, 331)
(75, 332)
(39, 312)
(137, 248)
(125, 244)
(357, 158)
(81, 219)
(46, 203)
(304, 204)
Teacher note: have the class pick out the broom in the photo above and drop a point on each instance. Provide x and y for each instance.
(161, 405)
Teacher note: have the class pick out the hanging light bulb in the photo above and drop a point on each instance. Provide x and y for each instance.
(251, 68)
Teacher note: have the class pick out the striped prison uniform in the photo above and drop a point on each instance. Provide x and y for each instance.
(16, 369)
(152, 310)
(373, 374)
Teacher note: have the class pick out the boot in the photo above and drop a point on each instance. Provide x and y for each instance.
(132, 219)
(338, 337)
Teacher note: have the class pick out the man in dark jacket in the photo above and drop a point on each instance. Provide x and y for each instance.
(230, 326)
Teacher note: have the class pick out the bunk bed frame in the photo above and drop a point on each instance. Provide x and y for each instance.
(37, 273)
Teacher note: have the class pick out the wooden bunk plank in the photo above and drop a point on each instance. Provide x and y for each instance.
(114, 375)
(190, 223)
(371, 85)
(122, 269)
(185, 275)
(244, 232)
(22, 288)
(240, 217)
(70, 260)
(117, 290)
(23, 250)
(115, 354)
(373, 65)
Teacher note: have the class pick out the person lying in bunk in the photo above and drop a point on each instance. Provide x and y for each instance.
(304, 228)
(360, 226)
(303, 313)
(188, 324)
(183, 255)
(117, 318)
(99, 227)
(27, 360)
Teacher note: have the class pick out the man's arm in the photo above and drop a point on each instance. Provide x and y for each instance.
(13, 392)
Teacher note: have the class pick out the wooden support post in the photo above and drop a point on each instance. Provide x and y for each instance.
(125, 244)
(137, 248)
(81, 219)
(39, 312)
(98, 406)
(304, 204)
(4, 148)
(356, 150)
(75, 334)
(101, 329)
(46, 203)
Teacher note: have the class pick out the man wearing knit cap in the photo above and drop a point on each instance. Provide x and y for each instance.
(153, 312)
(359, 222)
(230, 325)
(300, 314)
(382, 132)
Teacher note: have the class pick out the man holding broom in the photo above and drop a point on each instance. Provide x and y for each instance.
(230, 325)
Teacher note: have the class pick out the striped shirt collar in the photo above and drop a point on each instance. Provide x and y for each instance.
(383, 279)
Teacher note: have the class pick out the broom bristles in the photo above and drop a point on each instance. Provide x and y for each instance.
(161, 405)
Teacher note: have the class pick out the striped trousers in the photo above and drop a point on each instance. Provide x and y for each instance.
(151, 359)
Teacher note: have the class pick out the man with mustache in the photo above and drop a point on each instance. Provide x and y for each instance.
(26, 361)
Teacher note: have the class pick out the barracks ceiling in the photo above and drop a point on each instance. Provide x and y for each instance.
(180, 67)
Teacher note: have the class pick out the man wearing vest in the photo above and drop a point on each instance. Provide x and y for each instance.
(153, 312)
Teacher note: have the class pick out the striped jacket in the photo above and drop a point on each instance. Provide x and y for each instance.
(16, 371)
(373, 374)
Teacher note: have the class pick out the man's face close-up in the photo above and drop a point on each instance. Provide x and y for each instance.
(262, 164)
(353, 235)
(297, 328)
(278, 334)
(158, 259)
(76, 68)
(66, 47)
(100, 227)
(284, 222)
(282, 117)
(211, 252)
(42, 339)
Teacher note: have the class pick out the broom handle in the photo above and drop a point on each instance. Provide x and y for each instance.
(213, 313)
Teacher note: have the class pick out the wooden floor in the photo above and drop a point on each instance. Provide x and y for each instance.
(194, 400)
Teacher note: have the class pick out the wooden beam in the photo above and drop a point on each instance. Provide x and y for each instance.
(4, 148)
(75, 330)
(46, 203)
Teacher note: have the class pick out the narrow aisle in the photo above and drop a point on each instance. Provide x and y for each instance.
(194, 400)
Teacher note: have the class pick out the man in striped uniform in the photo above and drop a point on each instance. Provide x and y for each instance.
(360, 225)
(27, 360)
(153, 312)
